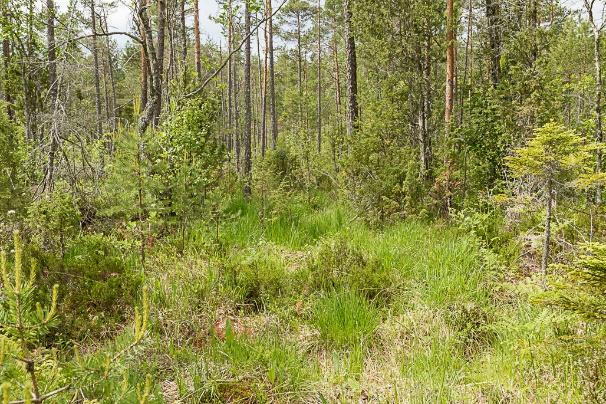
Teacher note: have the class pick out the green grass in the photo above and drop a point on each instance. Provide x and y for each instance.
(345, 319)
(326, 308)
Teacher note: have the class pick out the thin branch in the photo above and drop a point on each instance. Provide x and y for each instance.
(237, 49)
(128, 34)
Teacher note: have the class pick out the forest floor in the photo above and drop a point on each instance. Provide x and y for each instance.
(314, 306)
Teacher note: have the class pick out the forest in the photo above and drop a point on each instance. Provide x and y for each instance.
(317, 201)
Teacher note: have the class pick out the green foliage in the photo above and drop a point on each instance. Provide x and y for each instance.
(339, 264)
(553, 154)
(24, 323)
(13, 168)
(345, 319)
(259, 278)
(579, 287)
(100, 278)
(188, 157)
(383, 179)
(54, 219)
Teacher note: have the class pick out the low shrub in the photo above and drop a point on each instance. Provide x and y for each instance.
(98, 283)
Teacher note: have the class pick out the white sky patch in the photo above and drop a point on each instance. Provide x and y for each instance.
(120, 19)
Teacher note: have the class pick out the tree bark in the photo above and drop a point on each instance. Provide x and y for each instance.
(110, 63)
(352, 74)
(450, 61)
(247, 105)
(159, 68)
(6, 56)
(197, 45)
(272, 77)
(299, 69)
(264, 90)
(183, 43)
(95, 50)
(53, 94)
(547, 234)
(319, 95)
(493, 17)
(599, 131)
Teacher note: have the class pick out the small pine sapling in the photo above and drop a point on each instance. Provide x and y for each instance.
(554, 158)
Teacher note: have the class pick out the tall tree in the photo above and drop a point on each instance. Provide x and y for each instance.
(319, 95)
(53, 93)
(493, 19)
(272, 74)
(450, 61)
(597, 28)
(197, 46)
(247, 104)
(95, 50)
(352, 71)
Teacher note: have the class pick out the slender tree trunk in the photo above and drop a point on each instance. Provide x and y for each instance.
(272, 77)
(230, 82)
(319, 106)
(159, 70)
(247, 105)
(450, 61)
(299, 69)
(352, 74)
(110, 63)
(53, 93)
(197, 45)
(264, 91)
(493, 16)
(547, 235)
(183, 43)
(93, 21)
(468, 42)
(599, 131)
(425, 107)
(29, 93)
(145, 68)
(6, 56)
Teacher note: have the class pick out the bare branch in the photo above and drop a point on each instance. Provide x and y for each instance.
(237, 49)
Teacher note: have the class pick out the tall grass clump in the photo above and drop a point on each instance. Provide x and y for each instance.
(345, 319)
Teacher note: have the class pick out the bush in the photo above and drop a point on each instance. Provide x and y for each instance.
(258, 279)
(98, 283)
(338, 264)
(54, 219)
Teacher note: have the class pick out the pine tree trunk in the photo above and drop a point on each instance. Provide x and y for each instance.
(197, 45)
(53, 94)
(264, 91)
(183, 43)
(272, 78)
(247, 105)
(230, 83)
(319, 106)
(352, 74)
(450, 62)
(299, 70)
(159, 66)
(493, 17)
(112, 79)
(599, 131)
(6, 57)
(547, 235)
(93, 20)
